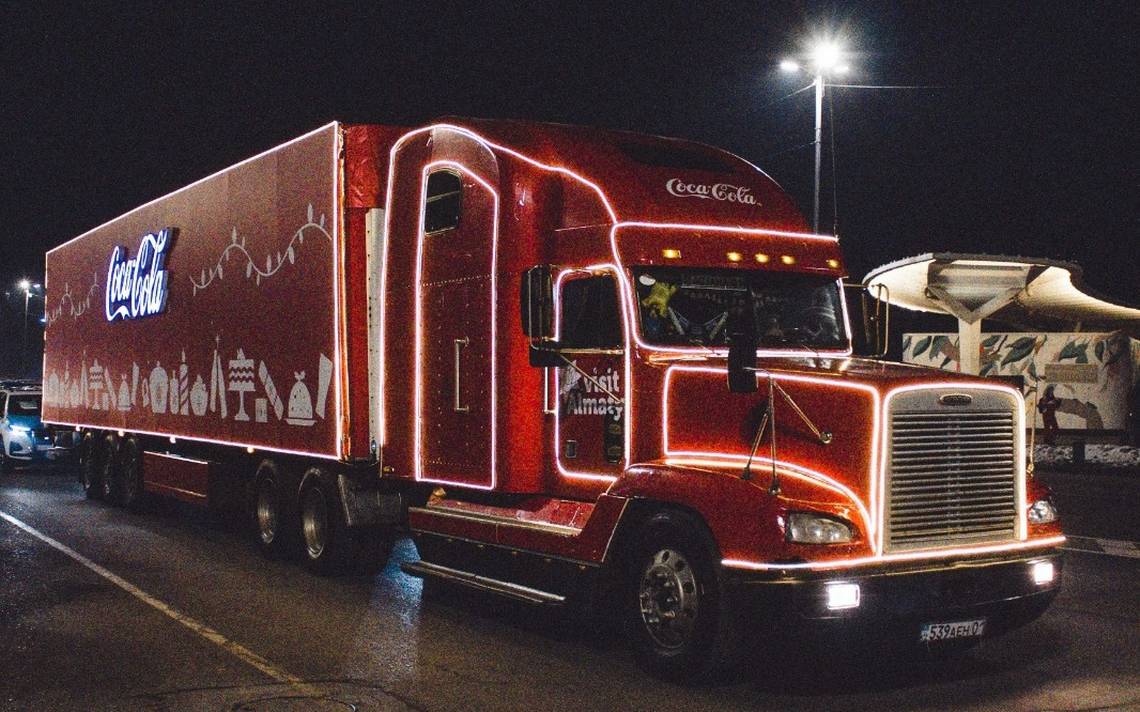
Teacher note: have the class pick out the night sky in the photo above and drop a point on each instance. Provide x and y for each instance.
(1022, 141)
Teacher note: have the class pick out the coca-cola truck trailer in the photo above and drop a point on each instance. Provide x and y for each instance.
(575, 364)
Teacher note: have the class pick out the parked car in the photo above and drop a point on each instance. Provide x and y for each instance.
(24, 437)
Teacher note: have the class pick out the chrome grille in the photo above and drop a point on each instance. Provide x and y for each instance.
(953, 471)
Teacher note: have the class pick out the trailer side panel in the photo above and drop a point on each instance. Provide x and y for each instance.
(210, 313)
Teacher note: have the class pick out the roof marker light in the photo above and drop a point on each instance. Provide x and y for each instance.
(670, 253)
(734, 256)
(788, 259)
(833, 263)
(762, 258)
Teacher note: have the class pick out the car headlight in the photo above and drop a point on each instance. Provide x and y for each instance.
(20, 429)
(1042, 512)
(811, 528)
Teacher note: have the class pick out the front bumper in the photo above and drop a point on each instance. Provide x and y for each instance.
(897, 600)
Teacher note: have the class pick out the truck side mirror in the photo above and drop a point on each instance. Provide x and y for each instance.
(536, 302)
(873, 339)
(742, 363)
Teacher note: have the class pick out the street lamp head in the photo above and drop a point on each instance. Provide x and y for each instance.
(24, 285)
(825, 56)
(789, 65)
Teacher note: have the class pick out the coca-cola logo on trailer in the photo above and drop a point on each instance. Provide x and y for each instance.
(725, 192)
(136, 287)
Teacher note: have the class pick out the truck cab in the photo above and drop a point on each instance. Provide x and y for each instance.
(671, 409)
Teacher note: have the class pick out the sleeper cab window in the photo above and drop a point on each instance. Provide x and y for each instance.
(591, 318)
(444, 203)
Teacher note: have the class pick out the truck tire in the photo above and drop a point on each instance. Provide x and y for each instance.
(329, 546)
(682, 625)
(274, 514)
(91, 466)
(130, 483)
(323, 535)
(109, 476)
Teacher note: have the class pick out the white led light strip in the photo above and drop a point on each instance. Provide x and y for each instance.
(626, 412)
(419, 397)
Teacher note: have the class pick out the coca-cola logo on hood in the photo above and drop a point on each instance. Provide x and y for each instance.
(724, 192)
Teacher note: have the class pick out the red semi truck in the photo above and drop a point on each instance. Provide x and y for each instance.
(574, 364)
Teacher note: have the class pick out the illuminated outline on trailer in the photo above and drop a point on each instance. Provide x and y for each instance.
(337, 388)
(419, 405)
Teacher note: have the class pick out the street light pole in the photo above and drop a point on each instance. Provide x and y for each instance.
(818, 148)
(27, 287)
(824, 58)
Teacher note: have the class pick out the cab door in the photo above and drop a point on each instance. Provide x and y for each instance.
(455, 349)
(590, 422)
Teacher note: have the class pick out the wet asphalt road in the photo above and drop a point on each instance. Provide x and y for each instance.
(173, 610)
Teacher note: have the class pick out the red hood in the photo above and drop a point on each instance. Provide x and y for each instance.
(704, 425)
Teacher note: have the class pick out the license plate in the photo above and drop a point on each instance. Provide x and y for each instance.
(932, 632)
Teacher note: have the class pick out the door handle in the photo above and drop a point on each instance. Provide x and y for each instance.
(457, 405)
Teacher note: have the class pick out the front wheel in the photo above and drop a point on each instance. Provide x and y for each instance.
(681, 622)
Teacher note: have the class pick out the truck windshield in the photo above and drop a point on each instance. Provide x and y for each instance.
(684, 306)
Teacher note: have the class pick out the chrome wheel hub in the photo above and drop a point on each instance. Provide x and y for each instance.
(314, 522)
(668, 598)
(266, 511)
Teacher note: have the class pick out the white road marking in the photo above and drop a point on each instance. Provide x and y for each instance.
(1107, 547)
(236, 649)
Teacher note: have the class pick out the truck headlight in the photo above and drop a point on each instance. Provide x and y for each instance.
(811, 528)
(1042, 512)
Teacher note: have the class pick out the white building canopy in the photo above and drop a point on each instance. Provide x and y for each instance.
(1029, 294)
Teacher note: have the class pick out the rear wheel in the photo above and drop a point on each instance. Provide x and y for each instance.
(273, 524)
(130, 474)
(330, 547)
(91, 466)
(681, 622)
(109, 476)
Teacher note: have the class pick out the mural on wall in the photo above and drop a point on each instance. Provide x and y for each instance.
(1085, 378)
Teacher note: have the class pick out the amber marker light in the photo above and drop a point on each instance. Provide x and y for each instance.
(762, 258)
(734, 256)
(788, 259)
(671, 254)
(833, 263)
